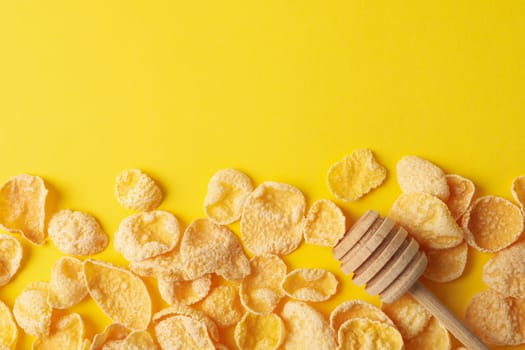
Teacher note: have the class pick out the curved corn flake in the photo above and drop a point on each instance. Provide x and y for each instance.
(77, 233)
(494, 319)
(325, 224)
(22, 207)
(10, 257)
(121, 295)
(184, 292)
(446, 265)
(518, 190)
(415, 174)
(136, 340)
(408, 315)
(31, 310)
(434, 337)
(492, 223)
(167, 267)
(223, 305)
(113, 333)
(272, 219)
(461, 193)
(310, 284)
(147, 234)
(135, 190)
(207, 247)
(355, 175)
(182, 333)
(356, 309)
(67, 286)
(8, 329)
(505, 271)
(306, 328)
(259, 332)
(261, 291)
(427, 219)
(184, 310)
(66, 333)
(360, 333)
(227, 192)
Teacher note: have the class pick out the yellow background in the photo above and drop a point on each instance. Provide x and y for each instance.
(280, 89)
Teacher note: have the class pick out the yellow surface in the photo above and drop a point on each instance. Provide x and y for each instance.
(280, 89)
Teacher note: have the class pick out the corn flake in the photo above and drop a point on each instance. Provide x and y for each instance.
(310, 284)
(434, 337)
(272, 219)
(31, 310)
(167, 267)
(223, 305)
(261, 291)
(410, 317)
(461, 193)
(207, 247)
(518, 190)
(184, 292)
(306, 328)
(445, 265)
(355, 175)
(505, 271)
(356, 309)
(182, 333)
(10, 257)
(325, 224)
(8, 329)
(66, 333)
(427, 219)
(227, 192)
(360, 333)
(415, 174)
(115, 333)
(22, 207)
(77, 233)
(258, 332)
(66, 286)
(147, 234)
(135, 190)
(492, 223)
(121, 295)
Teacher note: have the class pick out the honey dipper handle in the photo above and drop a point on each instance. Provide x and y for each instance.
(447, 318)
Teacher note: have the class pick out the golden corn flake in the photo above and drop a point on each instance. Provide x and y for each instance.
(272, 219)
(356, 309)
(66, 286)
(167, 267)
(415, 174)
(121, 295)
(325, 224)
(22, 207)
(505, 271)
(410, 317)
(360, 333)
(434, 337)
(223, 305)
(306, 328)
(207, 247)
(227, 192)
(184, 292)
(8, 329)
(135, 190)
(492, 223)
(31, 310)
(136, 340)
(445, 265)
(10, 257)
(259, 332)
(427, 219)
(494, 318)
(310, 284)
(461, 193)
(114, 333)
(355, 175)
(518, 190)
(261, 291)
(182, 333)
(66, 333)
(147, 234)
(77, 233)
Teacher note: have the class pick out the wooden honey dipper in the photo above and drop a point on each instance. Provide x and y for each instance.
(382, 256)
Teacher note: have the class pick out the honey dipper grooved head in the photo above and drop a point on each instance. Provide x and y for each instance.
(380, 254)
